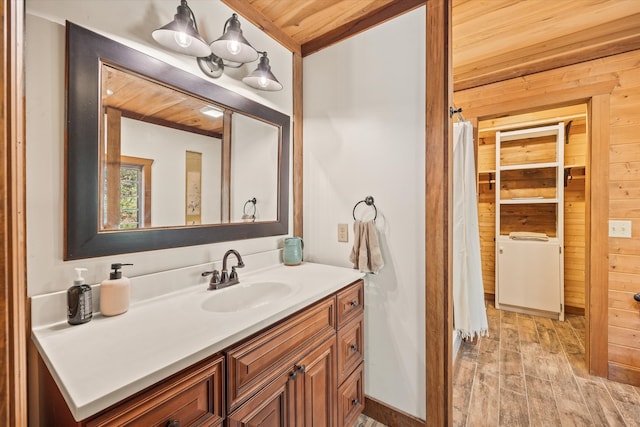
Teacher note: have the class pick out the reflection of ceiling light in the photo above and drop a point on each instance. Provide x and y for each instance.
(109, 92)
(211, 111)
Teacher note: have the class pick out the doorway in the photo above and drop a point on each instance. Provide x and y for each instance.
(573, 212)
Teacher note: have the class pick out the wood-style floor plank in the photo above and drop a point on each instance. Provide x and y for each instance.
(531, 371)
(542, 405)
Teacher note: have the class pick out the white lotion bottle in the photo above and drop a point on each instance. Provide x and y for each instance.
(115, 292)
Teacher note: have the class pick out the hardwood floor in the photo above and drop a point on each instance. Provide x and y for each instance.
(531, 371)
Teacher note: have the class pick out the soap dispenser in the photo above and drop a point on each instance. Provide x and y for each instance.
(79, 300)
(115, 292)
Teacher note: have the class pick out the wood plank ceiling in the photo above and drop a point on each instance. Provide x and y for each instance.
(493, 40)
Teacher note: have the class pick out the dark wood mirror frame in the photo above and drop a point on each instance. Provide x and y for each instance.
(85, 51)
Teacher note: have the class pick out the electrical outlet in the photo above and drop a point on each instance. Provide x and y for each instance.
(618, 228)
(343, 233)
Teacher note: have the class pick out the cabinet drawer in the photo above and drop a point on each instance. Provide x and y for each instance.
(350, 347)
(260, 359)
(194, 397)
(350, 302)
(351, 398)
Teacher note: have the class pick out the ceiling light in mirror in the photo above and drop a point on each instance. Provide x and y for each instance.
(211, 111)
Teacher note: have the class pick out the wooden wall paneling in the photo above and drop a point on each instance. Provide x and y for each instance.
(298, 147)
(624, 254)
(13, 313)
(574, 243)
(438, 237)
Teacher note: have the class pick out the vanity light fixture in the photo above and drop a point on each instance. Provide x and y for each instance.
(181, 35)
(232, 46)
(262, 78)
(230, 50)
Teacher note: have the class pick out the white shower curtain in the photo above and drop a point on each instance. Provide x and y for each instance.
(470, 316)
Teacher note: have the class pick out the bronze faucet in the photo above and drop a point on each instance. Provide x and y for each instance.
(223, 279)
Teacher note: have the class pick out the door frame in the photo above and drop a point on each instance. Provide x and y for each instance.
(14, 330)
(597, 201)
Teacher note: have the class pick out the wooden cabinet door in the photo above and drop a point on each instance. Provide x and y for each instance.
(316, 389)
(273, 406)
(192, 397)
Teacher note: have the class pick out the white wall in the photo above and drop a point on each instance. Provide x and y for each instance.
(364, 133)
(254, 156)
(131, 23)
(168, 180)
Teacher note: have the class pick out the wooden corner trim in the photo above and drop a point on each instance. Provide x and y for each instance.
(387, 414)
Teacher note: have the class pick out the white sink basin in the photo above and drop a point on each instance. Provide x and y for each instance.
(242, 296)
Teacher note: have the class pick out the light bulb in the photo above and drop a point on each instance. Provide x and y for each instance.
(263, 82)
(182, 39)
(233, 47)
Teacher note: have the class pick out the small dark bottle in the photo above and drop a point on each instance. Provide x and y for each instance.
(79, 300)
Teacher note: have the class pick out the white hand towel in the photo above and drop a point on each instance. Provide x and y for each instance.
(365, 254)
(528, 235)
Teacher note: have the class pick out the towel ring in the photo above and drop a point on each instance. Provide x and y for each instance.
(369, 202)
(244, 209)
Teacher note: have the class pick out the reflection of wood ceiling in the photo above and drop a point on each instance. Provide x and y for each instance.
(146, 100)
(493, 40)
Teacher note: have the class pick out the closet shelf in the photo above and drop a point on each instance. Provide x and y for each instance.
(530, 166)
(528, 201)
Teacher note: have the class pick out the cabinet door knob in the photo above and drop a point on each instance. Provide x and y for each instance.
(172, 423)
(301, 369)
(355, 401)
(293, 374)
(354, 303)
(637, 297)
(354, 347)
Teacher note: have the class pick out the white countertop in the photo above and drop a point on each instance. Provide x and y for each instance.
(110, 358)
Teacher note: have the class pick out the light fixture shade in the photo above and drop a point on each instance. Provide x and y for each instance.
(262, 78)
(181, 34)
(232, 46)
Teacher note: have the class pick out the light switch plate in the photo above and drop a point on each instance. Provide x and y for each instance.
(343, 233)
(619, 228)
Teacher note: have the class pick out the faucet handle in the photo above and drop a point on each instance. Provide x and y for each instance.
(215, 277)
(234, 273)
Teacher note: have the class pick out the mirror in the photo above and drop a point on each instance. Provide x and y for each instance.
(158, 157)
(162, 158)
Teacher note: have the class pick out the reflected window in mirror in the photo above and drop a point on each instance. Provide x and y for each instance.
(128, 205)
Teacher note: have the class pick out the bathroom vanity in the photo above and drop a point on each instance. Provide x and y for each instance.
(296, 359)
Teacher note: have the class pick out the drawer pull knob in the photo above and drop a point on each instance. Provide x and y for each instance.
(637, 297)
(301, 369)
(172, 423)
(354, 347)
(293, 374)
(355, 401)
(354, 303)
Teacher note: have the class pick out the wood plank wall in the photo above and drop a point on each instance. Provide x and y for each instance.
(615, 79)
(516, 217)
